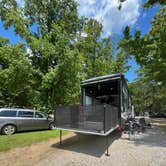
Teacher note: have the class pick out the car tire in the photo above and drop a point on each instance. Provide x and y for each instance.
(9, 129)
(52, 126)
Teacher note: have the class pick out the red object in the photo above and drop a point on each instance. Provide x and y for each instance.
(120, 128)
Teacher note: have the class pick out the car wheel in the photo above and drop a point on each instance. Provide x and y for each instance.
(9, 129)
(52, 126)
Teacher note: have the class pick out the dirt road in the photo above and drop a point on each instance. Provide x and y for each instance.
(148, 149)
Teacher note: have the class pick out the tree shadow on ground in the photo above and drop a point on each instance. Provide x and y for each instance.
(88, 144)
(156, 136)
(153, 137)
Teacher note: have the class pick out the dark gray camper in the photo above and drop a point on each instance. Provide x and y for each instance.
(104, 101)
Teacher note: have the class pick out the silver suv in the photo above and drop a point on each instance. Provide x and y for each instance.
(13, 120)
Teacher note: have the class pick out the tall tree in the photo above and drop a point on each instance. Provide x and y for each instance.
(64, 48)
(149, 50)
(16, 75)
(99, 58)
(51, 44)
(148, 96)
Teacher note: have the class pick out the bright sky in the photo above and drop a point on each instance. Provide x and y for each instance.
(113, 20)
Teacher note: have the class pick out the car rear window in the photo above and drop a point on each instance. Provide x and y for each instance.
(26, 114)
(8, 113)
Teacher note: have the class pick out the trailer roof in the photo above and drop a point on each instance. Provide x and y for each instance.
(102, 78)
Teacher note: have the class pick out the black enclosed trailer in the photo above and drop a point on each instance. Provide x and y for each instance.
(104, 100)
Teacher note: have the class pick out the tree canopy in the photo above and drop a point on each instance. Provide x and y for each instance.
(64, 49)
(149, 52)
(59, 49)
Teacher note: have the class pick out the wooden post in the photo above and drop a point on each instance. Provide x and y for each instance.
(60, 137)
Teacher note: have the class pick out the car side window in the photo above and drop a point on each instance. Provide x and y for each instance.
(8, 113)
(25, 114)
(40, 115)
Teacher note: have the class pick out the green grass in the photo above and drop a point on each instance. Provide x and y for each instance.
(26, 138)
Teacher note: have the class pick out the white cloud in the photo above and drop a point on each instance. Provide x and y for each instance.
(106, 11)
(20, 2)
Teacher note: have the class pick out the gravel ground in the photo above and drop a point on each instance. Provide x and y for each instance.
(147, 149)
